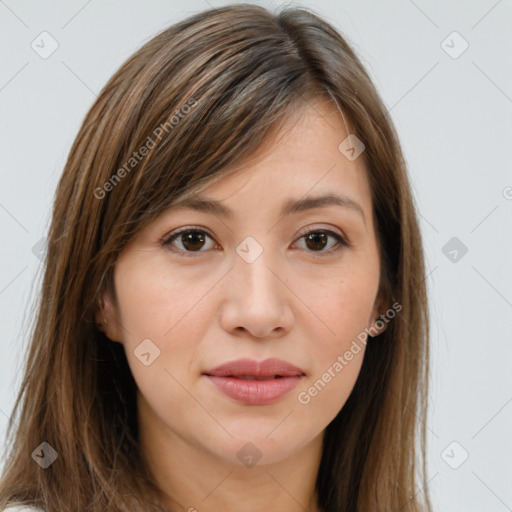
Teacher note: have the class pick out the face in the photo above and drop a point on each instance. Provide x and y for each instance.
(255, 284)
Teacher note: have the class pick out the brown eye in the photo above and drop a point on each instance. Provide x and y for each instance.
(189, 240)
(193, 240)
(317, 240)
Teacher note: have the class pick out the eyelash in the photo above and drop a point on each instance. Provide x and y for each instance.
(341, 241)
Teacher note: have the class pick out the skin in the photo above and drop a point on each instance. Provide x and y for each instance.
(302, 303)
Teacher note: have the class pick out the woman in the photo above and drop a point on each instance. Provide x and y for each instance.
(233, 313)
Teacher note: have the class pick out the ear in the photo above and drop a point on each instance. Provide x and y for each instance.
(107, 318)
(378, 318)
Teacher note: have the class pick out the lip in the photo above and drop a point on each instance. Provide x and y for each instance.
(226, 378)
(250, 367)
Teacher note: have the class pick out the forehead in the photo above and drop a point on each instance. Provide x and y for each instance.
(300, 166)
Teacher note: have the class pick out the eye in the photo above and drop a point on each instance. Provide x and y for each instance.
(317, 240)
(192, 240)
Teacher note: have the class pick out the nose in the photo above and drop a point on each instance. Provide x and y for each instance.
(256, 299)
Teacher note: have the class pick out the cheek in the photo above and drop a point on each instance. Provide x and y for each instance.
(337, 353)
(155, 303)
(159, 314)
(344, 306)
(169, 310)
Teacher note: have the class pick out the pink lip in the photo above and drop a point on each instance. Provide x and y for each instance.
(250, 367)
(255, 392)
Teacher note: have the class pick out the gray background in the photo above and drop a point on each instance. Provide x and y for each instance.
(453, 113)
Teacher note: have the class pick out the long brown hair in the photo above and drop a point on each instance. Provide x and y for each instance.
(200, 97)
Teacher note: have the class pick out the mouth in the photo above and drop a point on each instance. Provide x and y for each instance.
(251, 369)
(250, 390)
(248, 377)
(250, 382)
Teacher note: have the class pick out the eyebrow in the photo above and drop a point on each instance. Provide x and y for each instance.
(289, 207)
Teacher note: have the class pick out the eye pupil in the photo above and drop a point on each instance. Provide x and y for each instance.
(193, 240)
(315, 238)
(191, 237)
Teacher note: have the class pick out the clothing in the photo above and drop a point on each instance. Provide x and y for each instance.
(22, 508)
